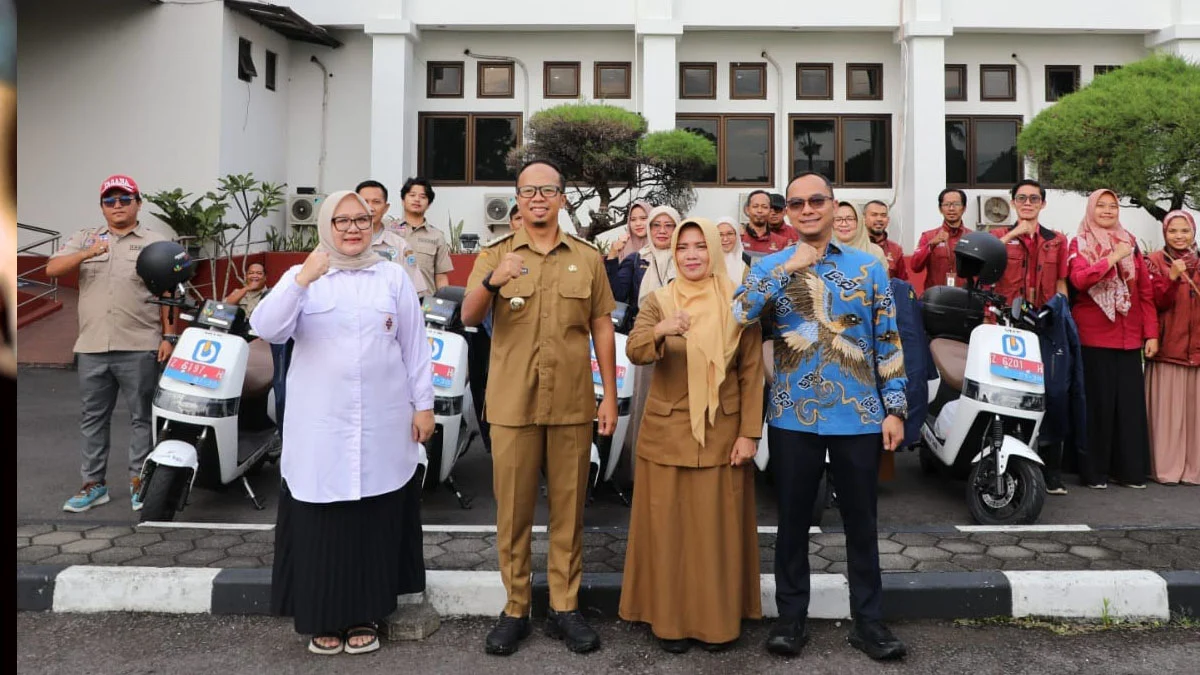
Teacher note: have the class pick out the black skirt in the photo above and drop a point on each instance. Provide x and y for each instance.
(342, 564)
(1118, 437)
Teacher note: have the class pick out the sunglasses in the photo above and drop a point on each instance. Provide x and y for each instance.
(815, 201)
(110, 202)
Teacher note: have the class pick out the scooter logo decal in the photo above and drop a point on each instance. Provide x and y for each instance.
(436, 346)
(1013, 345)
(206, 351)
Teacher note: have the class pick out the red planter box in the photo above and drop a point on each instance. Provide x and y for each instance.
(463, 264)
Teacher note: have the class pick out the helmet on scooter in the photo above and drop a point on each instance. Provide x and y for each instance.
(164, 265)
(981, 257)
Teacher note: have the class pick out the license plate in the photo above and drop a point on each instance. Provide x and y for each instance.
(598, 381)
(1017, 369)
(194, 373)
(443, 376)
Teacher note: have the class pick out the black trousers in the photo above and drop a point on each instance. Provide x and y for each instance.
(799, 459)
(1118, 436)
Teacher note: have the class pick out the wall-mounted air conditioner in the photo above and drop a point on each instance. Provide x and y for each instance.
(302, 209)
(495, 210)
(994, 210)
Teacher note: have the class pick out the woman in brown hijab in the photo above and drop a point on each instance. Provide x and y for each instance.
(691, 566)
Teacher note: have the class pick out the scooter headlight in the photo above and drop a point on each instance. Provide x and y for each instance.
(1001, 396)
(197, 406)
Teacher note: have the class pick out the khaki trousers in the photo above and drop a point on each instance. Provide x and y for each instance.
(518, 457)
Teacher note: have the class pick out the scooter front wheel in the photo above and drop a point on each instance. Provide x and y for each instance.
(164, 494)
(1023, 497)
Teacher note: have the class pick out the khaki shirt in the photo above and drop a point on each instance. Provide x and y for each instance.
(433, 253)
(251, 299)
(393, 247)
(540, 370)
(115, 313)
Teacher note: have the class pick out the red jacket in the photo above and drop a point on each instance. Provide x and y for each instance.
(1127, 331)
(789, 233)
(770, 242)
(895, 257)
(939, 259)
(1178, 313)
(1034, 279)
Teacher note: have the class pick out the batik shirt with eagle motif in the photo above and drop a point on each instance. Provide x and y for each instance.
(839, 369)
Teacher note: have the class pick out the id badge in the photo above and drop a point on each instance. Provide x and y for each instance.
(951, 279)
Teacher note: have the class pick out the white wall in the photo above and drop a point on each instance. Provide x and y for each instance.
(120, 86)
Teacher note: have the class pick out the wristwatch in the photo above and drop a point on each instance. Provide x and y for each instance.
(487, 283)
(170, 338)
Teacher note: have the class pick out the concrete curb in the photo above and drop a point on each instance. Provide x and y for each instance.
(1138, 594)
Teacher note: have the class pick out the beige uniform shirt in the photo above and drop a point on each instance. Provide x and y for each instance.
(115, 313)
(251, 299)
(433, 253)
(540, 370)
(393, 247)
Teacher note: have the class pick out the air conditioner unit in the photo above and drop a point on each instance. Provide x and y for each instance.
(994, 210)
(302, 209)
(495, 210)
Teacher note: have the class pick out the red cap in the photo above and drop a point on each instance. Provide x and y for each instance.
(119, 182)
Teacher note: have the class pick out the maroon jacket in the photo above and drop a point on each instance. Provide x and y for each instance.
(1127, 331)
(1178, 313)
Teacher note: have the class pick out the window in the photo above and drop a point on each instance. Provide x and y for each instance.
(956, 83)
(747, 80)
(1101, 70)
(814, 80)
(745, 147)
(269, 79)
(997, 83)
(246, 69)
(467, 148)
(1060, 81)
(697, 80)
(849, 150)
(560, 80)
(612, 80)
(444, 79)
(982, 151)
(495, 80)
(864, 81)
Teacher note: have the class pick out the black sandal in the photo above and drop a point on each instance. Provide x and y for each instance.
(316, 648)
(362, 631)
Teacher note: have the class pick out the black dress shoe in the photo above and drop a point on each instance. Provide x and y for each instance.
(876, 641)
(573, 629)
(506, 635)
(675, 646)
(788, 636)
(714, 647)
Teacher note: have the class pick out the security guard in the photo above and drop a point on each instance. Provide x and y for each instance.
(548, 294)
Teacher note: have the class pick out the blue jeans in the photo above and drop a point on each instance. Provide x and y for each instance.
(281, 358)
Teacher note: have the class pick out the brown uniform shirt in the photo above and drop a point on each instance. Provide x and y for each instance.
(540, 370)
(251, 299)
(433, 253)
(393, 247)
(114, 310)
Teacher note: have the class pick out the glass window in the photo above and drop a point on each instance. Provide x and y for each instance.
(956, 152)
(494, 137)
(997, 83)
(1101, 70)
(982, 151)
(864, 81)
(495, 80)
(561, 80)
(813, 80)
(467, 148)
(697, 80)
(848, 150)
(865, 151)
(747, 80)
(444, 148)
(956, 83)
(246, 69)
(814, 147)
(1060, 81)
(444, 79)
(708, 127)
(269, 79)
(612, 80)
(748, 153)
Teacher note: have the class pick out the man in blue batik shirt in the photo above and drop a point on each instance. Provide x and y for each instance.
(839, 388)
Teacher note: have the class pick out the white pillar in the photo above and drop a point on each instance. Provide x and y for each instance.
(923, 164)
(659, 87)
(393, 116)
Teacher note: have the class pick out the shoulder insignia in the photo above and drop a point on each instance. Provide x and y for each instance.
(497, 240)
(583, 241)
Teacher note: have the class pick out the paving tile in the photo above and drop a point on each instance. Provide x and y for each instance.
(995, 539)
(223, 541)
(492, 554)
(33, 530)
(1009, 552)
(1076, 538)
(596, 554)
(537, 562)
(975, 561)
(619, 546)
(57, 538)
(1023, 564)
(110, 532)
(186, 535)
(22, 542)
(431, 551)
(915, 539)
(1060, 561)
(1043, 546)
(171, 548)
(33, 554)
(1090, 552)
(814, 547)
(466, 545)
(1146, 560)
(1154, 536)
(152, 561)
(596, 538)
(138, 539)
(1175, 552)
(818, 564)
(961, 546)
(434, 538)
(73, 527)
(454, 560)
(828, 539)
(115, 555)
(200, 557)
(1124, 544)
(926, 553)
(833, 553)
(268, 560)
(895, 561)
(66, 559)
(251, 550)
(836, 568)
(1113, 564)
(86, 546)
(237, 562)
(766, 557)
(539, 546)
(259, 537)
(889, 546)
(938, 566)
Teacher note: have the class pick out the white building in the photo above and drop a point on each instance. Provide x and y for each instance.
(868, 91)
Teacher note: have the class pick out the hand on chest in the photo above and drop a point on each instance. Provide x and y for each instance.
(554, 288)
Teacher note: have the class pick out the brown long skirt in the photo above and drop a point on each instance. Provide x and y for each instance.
(1173, 406)
(691, 565)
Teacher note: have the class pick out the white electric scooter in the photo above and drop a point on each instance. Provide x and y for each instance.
(606, 450)
(453, 408)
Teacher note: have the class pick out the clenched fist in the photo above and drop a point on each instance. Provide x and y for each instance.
(802, 258)
(509, 268)
(315, 267)
(618, 246)
(673, 325)
(1120, 252)
(1178, 268)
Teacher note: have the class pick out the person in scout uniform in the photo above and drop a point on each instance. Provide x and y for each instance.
(548, 294)
(122, 336)
(388, 243)
(430, 245)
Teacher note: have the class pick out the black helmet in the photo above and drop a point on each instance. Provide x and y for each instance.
(980, 256)
(164, 265)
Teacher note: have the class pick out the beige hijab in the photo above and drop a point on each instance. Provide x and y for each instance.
(734, 264)
(662, 261)
(862, 239)
(337, 259)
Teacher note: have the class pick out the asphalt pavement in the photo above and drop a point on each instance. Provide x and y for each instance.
(48, 466)
(148, 643)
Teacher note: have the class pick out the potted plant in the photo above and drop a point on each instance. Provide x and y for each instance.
(253, 199)
(195, 222)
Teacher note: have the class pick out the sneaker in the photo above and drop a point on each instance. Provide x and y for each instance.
(135, 493)
(506, 635)
(788, 636)
(1054, 485)
(91, 494)
(1099, 486)
(876, 641)
(573, 629)
(1135, 486)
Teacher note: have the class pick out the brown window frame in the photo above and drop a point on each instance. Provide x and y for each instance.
(1075, 70)
(469, 159)
(721, 118)
(828, 68)
(574, 65)
(971, 135)
(462, 78)
(613, 65)
(762, 74)
(851, 67)
(839, 161)
(710, 66)
(998, 68)
(961, 69)
(512, 85)
(1104, 69)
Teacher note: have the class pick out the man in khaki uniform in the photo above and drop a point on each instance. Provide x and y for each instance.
(122, 336)
(430, 245)
(386, 242)
(548, 294)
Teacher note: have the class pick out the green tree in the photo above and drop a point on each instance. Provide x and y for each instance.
(606, 154)
(1135, 130)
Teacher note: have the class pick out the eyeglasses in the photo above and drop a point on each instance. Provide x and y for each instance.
(846, 220)
(111, 202)
(952, 205)
(815, 201)
(662, 226)
(729, 235)
(342, 223)
(547, 191)
(1032, 199)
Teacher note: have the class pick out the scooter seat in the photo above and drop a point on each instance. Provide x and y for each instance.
(260, 370)
(950, 357)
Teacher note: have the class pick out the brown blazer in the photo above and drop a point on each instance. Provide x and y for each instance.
(665, 436)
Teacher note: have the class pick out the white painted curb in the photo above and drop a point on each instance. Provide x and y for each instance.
(171, 590)
(1089, 595)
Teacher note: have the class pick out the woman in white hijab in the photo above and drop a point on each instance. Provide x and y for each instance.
(731, 246)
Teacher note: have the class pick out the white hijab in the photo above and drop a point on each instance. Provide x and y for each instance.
(734, 264)
(662, 261)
